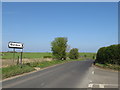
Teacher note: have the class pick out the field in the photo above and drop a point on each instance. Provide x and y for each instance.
(7, 57)
(33, 55)
(88, 55)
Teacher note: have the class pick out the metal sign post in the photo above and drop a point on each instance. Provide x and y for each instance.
(21, 57)
(13, 54)
(16, 45)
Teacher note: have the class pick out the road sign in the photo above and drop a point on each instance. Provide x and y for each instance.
(15, 45)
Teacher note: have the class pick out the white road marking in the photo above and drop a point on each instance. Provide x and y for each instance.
(116, 85)
(93, 72)
(90, 85)
(101, 85)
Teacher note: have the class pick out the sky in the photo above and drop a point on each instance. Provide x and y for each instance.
(87, 25)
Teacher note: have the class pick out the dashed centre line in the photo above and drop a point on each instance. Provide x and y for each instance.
(93, 72)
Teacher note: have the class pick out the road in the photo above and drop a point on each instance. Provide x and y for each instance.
(76, 74)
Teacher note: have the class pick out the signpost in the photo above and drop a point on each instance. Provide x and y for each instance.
(16, 45)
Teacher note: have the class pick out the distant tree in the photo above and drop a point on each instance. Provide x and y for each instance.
(85, 55)
(59, 46)
(74, 54)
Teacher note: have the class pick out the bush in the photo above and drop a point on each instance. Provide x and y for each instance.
(34, 64)
(74, 54)
(93, 57)
(85, 56)
(47, 56)
(109, 55)
(27, 64)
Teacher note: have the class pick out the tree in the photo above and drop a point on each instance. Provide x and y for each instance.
(74, 54)
(59, 46)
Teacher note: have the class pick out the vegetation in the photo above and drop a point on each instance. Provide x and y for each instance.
(59, 46)
(28, 55)
(17, 69)
(74, 54)
(108, 66)
(49, 63)
(34, 55)
(87, 55)
(27, 67)
(109, 57)
(47, 56)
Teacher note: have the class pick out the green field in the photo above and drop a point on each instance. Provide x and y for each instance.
(32, 55)
(8, 55)
(88, 55)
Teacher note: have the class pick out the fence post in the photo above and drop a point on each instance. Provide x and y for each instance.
(18, 60)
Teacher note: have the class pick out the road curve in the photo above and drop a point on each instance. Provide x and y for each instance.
(68, 75)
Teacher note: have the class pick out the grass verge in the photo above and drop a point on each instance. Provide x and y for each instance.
(109, 66)
(50, 63)
(17, 69)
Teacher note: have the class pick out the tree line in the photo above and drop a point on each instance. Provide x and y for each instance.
(59, 47)
(109, 55)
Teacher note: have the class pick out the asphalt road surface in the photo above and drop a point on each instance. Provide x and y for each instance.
(76, 74)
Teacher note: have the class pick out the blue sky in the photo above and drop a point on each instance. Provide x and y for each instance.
(87, 25)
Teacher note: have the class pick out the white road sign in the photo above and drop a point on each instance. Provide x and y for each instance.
(15, 45)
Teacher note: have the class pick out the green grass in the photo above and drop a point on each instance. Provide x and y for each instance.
(33, 55)
(28, 55)
(15, 70)
(88, 55)
(50, 63)
(109, 66)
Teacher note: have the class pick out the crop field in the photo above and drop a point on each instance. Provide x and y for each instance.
(28, 55)
(34, 55)
(7, 57)
(88, 55)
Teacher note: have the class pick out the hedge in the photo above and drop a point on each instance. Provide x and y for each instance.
(109, 55)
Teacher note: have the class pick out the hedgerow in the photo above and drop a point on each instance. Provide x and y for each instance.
(109, 55)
